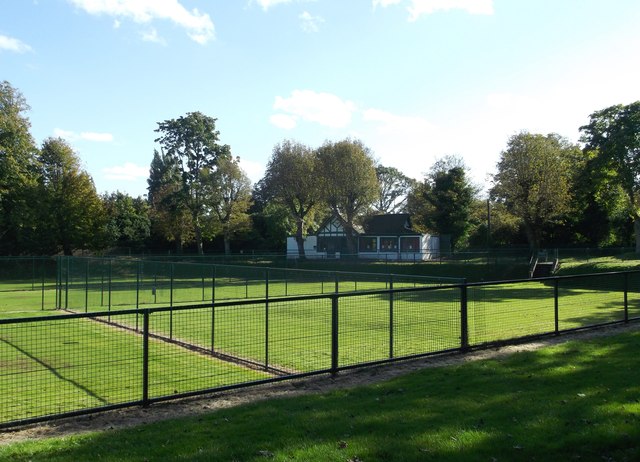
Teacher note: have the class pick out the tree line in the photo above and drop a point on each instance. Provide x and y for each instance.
(546, 192)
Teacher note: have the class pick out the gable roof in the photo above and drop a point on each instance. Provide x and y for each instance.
(390, 224)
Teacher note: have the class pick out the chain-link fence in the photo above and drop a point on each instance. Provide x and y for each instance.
(83, 362)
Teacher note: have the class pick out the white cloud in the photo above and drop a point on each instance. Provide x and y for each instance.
(310, 23)
(284, 121)
(127, 172)
(418, 8)
(409, 143)
(266, 4)
(323, 108)
(152, 36)
(13, 44)
(198, 25)
(385, 3)
(83, 136)
(254, 170)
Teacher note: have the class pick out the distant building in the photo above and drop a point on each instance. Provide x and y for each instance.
(386, 237)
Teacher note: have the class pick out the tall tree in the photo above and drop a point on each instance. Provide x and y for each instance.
(18, 169)
(192, 140)
(169, 218)
(72, 215)
(443, 202)
(128, 220)
(230, 198)
(394, 189)
(533, 181)
(614, 132)
(291, 179)
(349, 183)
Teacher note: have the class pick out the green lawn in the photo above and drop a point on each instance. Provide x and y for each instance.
(577, 401)
(92, 364)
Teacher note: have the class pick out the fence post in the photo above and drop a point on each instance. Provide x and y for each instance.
(266, 320)
(86, 287)
(145, 359)
(171, 274)
(66, 289)
(464, 317)
(213, 327)
(391, 296)
(43, 268)
(109, 288)
(337, 282)
(213, 283)
(138, 285)
(556, 310)
(334, 334)
(626, 297)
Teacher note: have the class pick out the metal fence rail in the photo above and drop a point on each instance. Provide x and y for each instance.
(76, 363)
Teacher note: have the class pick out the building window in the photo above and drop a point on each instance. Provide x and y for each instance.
(368, 244)
(388, 244)
(410, 244)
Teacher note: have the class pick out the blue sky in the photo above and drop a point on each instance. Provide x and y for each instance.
(415, 80)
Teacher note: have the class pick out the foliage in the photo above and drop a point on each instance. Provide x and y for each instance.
(443, 203)
(615, 133)
(533, 181)
(229, 200)
(71, 215)
(17, 171)
(349, 182)
(168, 216)
(191, 142)
(292, 179)
(129, 224)
(394, 190)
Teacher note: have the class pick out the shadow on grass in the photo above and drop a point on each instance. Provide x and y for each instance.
(577, 401)
(55, 372)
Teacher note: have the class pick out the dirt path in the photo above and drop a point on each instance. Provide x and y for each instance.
(129, 417)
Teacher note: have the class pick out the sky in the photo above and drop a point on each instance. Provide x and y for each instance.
(414, 80)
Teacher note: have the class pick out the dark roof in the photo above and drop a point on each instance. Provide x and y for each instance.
(390, 224)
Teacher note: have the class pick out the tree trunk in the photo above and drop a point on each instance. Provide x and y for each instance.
(636, 229)
(227, 245)
(300, 239)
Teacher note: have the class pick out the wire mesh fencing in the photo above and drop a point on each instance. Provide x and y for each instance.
(83, 362)
(96, 284)
(27, 281)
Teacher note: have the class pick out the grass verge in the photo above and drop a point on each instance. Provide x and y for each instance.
(575, 401)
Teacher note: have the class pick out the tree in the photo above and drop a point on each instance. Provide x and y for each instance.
(394, 188)
(443, 202)
(169, 218)
(533, 181)
(71, 214)
(349, 183)
(128, 220)
(291, 179)
(192, 141)
(230, 198)
(614, 132)
(18, 170)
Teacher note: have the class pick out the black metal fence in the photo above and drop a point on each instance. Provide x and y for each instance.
(95, 284)
(78, 363)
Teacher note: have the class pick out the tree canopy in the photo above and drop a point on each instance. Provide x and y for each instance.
(533, 180)
(349, 182)
(614, 134)
(292, 179)
(191, 141)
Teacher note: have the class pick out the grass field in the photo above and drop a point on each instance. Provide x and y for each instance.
(576, 401)
(64, 365)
